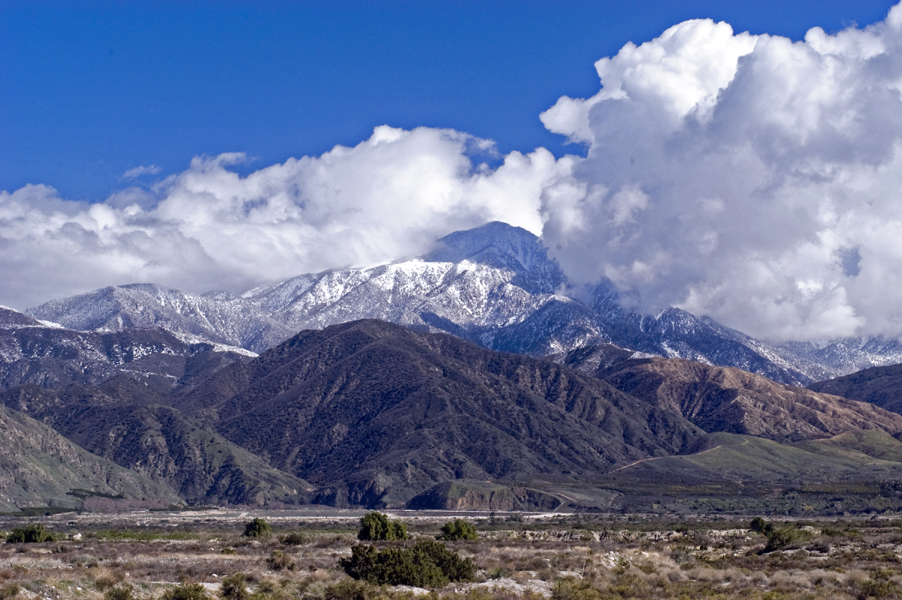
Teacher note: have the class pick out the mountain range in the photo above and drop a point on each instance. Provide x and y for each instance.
(370, 413)
(467, 377)
(494, 285)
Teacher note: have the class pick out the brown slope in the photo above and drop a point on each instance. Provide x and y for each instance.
(881, 386)
(735, 401)
(120, 421)
(375, 413)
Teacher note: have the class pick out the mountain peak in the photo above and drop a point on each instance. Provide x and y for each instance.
(472, 244)
(502, 246)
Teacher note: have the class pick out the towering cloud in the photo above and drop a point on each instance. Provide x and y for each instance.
(746, 177)
(389, 197)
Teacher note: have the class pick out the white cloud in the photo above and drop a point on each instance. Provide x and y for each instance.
(746, 177)
(389, 197)
(138, 171)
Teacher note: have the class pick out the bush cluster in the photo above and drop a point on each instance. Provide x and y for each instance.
(375, 526)
(257, 528)
(426, 564)
(458, 529)
(777, 537)
(31, 534)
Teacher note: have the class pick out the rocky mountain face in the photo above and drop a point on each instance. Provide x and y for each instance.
(39, 467)
(373, 413)
(732, 400)
(122, 421)
(881, 386)
(106, 392)
(494, 285)
(380, 415)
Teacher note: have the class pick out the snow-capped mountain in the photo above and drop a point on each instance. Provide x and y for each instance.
(494, 285)
(495, 277)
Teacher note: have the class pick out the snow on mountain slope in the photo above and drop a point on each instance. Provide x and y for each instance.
(52, 356)
(471, 295)
(494, 285)
(214, 317)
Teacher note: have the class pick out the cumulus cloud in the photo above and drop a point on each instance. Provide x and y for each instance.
(139, 171)
(389, 197)
(750, 178)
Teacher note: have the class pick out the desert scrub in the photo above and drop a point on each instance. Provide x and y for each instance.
(278, 561)
(120, 592)
(186, 591)
(258, 528)
(375, 526)
(574, 589)
(234, 587)
(458, 529)
(349, 589)
(295, 538)
(9, 591)
(426, 564)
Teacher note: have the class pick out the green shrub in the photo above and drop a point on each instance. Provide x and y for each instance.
(120, 592)
(458, 529)
(780, 537)
(426, 564)
(257, 528)
(375, 526)
(186, 591)
(234, 587)
(34, 533)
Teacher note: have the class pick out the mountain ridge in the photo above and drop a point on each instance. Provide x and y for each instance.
(356, 405)
(494, 285)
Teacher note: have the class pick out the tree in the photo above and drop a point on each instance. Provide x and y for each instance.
(375, 526)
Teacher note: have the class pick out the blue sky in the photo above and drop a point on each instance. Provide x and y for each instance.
(89, 90)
